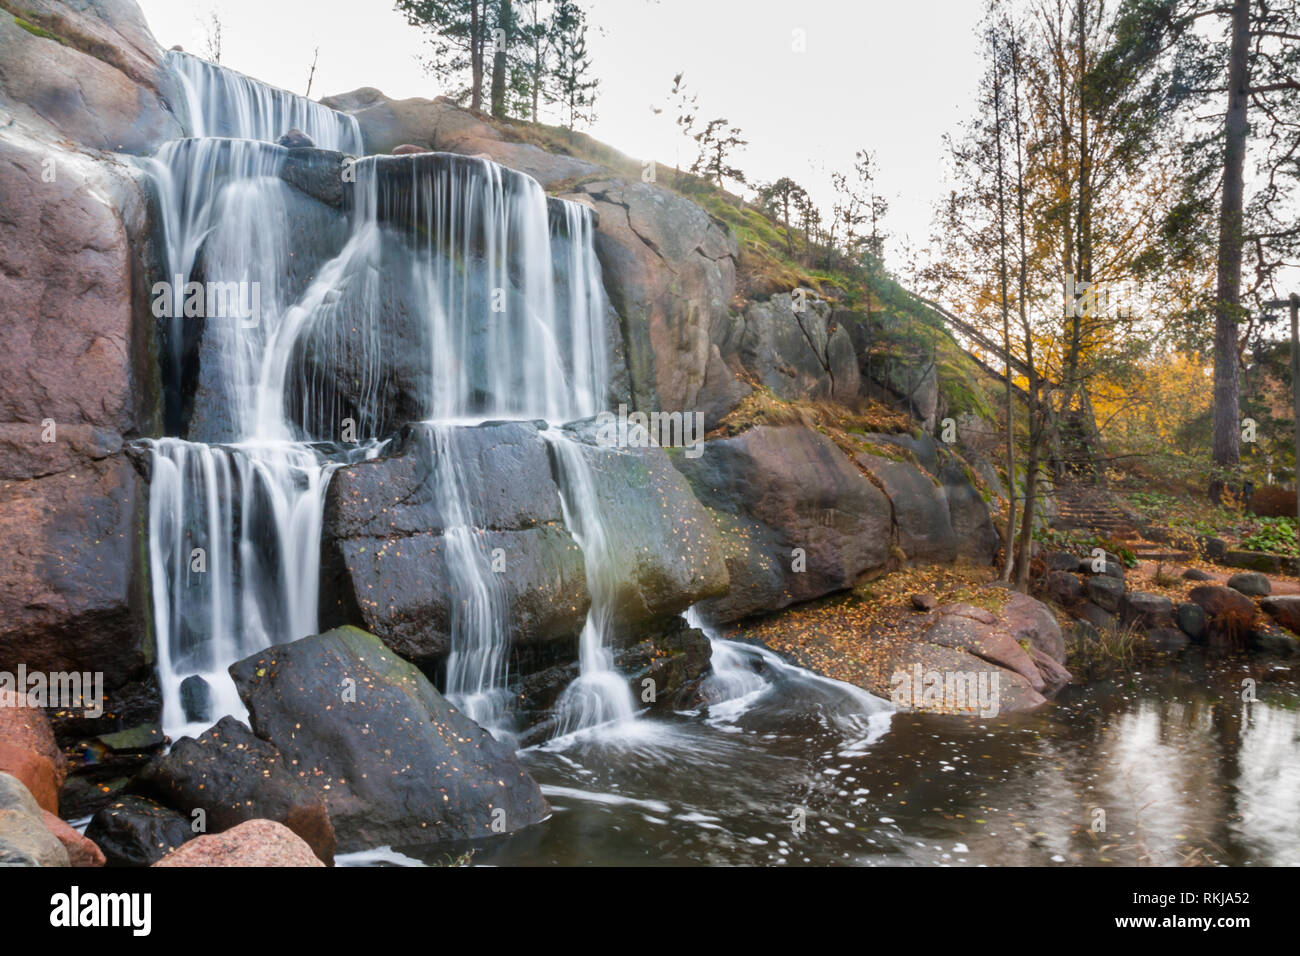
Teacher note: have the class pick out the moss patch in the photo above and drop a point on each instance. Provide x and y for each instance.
(35, 30)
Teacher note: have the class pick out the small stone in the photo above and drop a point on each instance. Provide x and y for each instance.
(1106, 591)
(296, 139)
(196, 699)
(1250, 583)
(924, 602)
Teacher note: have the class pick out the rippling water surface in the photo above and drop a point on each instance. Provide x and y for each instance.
(795, 770)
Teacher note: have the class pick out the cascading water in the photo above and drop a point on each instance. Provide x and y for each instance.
(222, 102)
(476, 666)
(510, 323)
(600, 695)
(234, 528)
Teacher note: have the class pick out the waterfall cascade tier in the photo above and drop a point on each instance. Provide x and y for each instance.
(223, 102)
(600, 695)
(456, 291)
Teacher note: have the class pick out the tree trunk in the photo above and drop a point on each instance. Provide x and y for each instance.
(505, 23)
(1025, 545)
(1009, 539)
(1227, 447)
(476, 28)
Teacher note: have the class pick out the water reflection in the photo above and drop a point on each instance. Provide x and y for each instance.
(1166, 766)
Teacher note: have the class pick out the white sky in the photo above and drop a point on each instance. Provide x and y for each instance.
(890, 76)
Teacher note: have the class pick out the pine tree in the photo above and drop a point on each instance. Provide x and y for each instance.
(575, 86)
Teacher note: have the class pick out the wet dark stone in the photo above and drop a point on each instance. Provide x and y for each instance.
(196, 699)
(137, 831)
(1191, 620)
(295, 139)
(393, 760)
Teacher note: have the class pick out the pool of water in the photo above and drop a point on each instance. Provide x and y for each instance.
(1164, 766)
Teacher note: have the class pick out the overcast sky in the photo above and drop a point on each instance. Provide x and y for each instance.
(884, 75)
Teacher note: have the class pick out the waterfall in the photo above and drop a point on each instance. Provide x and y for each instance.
(732, 674)
(234, 528)
(599, 695)
(222, 102)
(476, 667)
(504, 292)
(234, 543)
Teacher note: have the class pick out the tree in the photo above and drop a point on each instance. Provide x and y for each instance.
(1250, 70)
(778, 199)
(502, 36)
(575, 85)
(538, 36)
(717, 142)
(459, 31)
(311, 73)
(212, 37)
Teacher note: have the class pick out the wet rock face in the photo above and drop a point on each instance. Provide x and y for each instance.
(136, 831)
(393, 761)
(796, 519)
(384, 539)
(670, 271)
(664, 673)
(233, 777)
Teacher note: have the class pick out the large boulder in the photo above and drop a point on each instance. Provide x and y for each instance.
(25, 840)
(1284, 609)
(77, 379)
(385, 538)
(233, 777)
(1228, 613)
(69, 233)
(670, 271)
(794, 347)
(797, 519)
(440, 124)
(70, 578)
(921, 515)
(35, 772)
(394, 762)
(1031, 621)
(1250, 583)
(977, 538)
(25, 727)
(252, 843)
(1148, 611)
(89, 72)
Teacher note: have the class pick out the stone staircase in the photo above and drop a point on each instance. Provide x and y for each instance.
(1087, 507)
